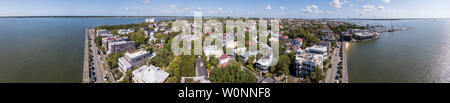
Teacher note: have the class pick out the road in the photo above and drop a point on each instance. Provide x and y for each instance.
(331, 74)
(100, 71)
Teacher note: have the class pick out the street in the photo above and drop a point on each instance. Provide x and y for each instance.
(98, 64)
(331, 74)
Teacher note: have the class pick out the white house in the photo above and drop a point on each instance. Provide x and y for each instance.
(306, 63)
(212, 50)
(131, 60)
(149, 74)
(317, 50)
(150, 20)
(104, 33)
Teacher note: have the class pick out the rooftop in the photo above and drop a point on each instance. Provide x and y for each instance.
(150, 74)
(136, 54)
(200, 67)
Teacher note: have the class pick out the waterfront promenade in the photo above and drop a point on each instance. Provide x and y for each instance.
(86, 59)
(344, 62)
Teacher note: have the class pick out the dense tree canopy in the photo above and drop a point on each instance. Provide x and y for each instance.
(233, 73)
(283, 65)
(182, 66)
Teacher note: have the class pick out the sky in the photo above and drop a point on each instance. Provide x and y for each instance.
(240, 8)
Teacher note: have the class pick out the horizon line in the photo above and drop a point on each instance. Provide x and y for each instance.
(221, 17)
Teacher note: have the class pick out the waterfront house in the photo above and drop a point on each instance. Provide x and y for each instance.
(149, 74)
(103, 33)
(107, 40)
(365, 35)
(121, 46)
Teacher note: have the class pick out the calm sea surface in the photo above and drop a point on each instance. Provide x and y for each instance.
(46, 49)
(419, 54)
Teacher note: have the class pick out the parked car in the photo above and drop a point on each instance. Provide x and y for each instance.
(105, 78)
(94, 79)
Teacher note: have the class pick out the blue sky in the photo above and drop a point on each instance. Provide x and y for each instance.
(252, 8)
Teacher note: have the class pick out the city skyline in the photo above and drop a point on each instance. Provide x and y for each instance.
(248, 8)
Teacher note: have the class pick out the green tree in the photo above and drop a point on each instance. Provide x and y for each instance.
(233, 73)
(113, 59)
(282, 66)
(140, 40)
(162, 59)
(182, 66)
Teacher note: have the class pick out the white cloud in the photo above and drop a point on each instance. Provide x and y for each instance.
(381, 8)
(146, 1)
(370, 9)
(337, 3)
(173, 7)
(312, 9)
(219, 9)
(282, 7)
(268, 8)
(198, 8)
(386, 1)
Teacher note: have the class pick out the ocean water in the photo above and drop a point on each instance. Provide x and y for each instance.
(46, 50)
(420, 54)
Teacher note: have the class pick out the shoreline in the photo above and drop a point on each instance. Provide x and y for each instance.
(86, 58)
(347, 47)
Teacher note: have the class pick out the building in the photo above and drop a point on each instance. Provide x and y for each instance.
(284, 38)
(325, 44)
(306, 63)
(103, 33)
(326, 30)
(329, 37)
(131, 60)
(365, 35)
(264, 63)
(297, 43)
(149, 74)
(150, 20)
(212, 50)
(121, 46)
(107, 40)
(126, 31)
(224, 60)
(317, 50)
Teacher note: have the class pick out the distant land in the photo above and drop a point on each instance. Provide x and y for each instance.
(209, 17)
